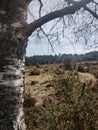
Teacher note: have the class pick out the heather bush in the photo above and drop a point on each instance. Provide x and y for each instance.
(77, 102)
(82, 68)
(35, 71)
(95, 73)
(29, 101)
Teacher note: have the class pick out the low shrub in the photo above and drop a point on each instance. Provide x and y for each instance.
(77, 103)
(29, 101)
(35, 71)
(95, 73)
(82, 68)
(34, 82)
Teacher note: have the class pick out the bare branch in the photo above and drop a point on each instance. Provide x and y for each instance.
(53, 15)
(55, 24)
(41, 5)
(91, 12)
(47, 38)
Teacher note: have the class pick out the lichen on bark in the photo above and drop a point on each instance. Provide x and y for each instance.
(12, 66)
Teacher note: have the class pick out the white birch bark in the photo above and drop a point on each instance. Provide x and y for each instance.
(12, 65)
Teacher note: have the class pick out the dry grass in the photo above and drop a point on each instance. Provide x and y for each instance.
(42, 93)
(87, 76)
(39, 91)
(42, 89)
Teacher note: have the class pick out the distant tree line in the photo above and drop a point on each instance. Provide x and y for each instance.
(50, 59)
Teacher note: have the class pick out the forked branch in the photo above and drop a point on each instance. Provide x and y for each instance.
(53, 15)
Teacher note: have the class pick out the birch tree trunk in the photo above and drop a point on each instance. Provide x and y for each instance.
(12, 64)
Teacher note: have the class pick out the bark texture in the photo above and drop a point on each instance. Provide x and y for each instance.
(12, 64)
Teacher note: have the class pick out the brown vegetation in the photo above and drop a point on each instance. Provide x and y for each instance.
(35, 71)
(56, 90)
